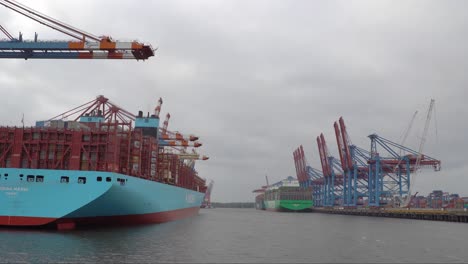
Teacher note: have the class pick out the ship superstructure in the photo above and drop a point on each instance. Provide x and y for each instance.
(284, 195)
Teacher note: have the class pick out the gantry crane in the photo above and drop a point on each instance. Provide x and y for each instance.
(308, 176)
(380, 175)
(301, 167)
(333, 181)
(355, 173)
(85, 45)
(421, 159)
(176, 139)
(165, 124)
(109, 112)
(179, 142)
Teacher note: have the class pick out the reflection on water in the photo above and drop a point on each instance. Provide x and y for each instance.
(246, 235)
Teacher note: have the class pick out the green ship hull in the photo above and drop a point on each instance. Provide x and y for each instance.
(285, 196)
(288, 205)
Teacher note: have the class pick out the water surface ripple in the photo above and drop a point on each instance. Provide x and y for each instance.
(246, 235)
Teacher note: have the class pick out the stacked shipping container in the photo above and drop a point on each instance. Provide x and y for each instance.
(95, 146)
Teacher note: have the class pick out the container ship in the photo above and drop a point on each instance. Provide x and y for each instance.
(105, 166)
(260, 202)
(284, 196)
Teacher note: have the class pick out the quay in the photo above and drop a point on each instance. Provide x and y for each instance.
(443, 214)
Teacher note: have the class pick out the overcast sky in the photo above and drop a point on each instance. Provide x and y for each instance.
(255, 79)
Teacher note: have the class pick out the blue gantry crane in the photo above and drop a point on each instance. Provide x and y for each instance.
(309, 177)
(84, 45)
(333, 181)
(317, 185)
(389, 174)
(355, 169)
(361, 177)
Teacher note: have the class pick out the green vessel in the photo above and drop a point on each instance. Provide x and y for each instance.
(285, 195)
(288, 198)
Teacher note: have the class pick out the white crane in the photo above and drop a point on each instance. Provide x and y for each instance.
(418, 159)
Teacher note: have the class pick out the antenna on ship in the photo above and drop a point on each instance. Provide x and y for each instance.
(266, 178)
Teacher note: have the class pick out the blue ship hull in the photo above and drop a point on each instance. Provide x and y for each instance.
(65, 198)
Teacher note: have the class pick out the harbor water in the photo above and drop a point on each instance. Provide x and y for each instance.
(224, 235)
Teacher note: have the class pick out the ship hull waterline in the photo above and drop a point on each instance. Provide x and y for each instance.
(116, 199)
(288, 205)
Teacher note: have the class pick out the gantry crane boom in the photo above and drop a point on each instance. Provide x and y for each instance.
(165, 124)
(177, 136)
(86, 45)
(421, 146)
(192, 156)
(300, 164)
(344, 164)
(323, 151)
(179, 143)
(157, 109)
(322, 156)
(346, 144)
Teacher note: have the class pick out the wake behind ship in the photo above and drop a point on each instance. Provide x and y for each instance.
(105, 167)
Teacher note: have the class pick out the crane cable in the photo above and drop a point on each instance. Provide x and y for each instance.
(403, 140)
(47, 20)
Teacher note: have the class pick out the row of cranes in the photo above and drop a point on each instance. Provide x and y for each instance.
(178, 141)
(84, 45)
(170, 142)
(378, 177)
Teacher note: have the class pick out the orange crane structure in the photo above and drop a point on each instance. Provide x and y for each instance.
(84, 45)
(178, 142)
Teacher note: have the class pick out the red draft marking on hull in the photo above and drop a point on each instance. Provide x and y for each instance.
(152, 218)
(71, 223)
(24, 221)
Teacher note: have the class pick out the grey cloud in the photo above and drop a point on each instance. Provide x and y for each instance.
(255, 79)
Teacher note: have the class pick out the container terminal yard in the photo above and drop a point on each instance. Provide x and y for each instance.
(376, 182)
(93, 167)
